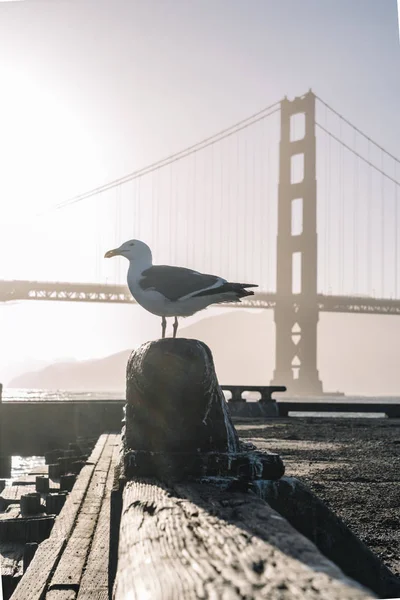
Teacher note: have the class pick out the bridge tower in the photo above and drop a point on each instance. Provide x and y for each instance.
(296, 313)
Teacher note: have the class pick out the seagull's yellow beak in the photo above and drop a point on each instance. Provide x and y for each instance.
(111, 253)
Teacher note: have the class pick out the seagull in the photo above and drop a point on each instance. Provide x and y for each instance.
(168, 291)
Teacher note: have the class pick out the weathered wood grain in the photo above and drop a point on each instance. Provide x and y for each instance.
(174, 401)
(34, 583)
(70, 567)
(193, 541)
(94, 583)
(61, 595)
(115, 515)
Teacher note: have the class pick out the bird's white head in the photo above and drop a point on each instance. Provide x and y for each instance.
(133, 250)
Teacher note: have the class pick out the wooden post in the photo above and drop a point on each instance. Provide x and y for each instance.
(178, 424)
(42, 484)
(55, 502)
(67, 482)
(174, 400)
(30, 504)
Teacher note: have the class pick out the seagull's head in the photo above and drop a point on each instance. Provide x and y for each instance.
(132, 250)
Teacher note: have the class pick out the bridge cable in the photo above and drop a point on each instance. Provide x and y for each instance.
(326, 211)
(210, 229)
(226, 183)
(205, 143)
(237, 202)
(254, 213)
(355, 218)
(222, 242)
(188, 194)
(369, 232)
(370, 140)
(195, 175)
(382, 232)
(395, 236)
(367, 161)
(341, 219)
(329, 206)
(268, 216)
(204, 206)
(118, 223)
(138, 195)
(170, 211)
(153, 209)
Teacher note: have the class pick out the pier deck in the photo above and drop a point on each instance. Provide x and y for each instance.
(352, 464)
(73, 562)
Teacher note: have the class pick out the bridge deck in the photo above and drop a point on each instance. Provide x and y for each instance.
(14, 290)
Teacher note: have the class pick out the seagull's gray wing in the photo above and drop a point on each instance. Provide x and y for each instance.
(176, 282)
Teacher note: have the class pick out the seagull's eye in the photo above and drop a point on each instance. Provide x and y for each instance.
(132, 244)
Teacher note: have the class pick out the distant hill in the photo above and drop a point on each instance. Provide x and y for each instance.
(357, 354)
(13, 370)
(235, 357)
(92, 375)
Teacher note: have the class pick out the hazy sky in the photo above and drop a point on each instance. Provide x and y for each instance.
(94, 89)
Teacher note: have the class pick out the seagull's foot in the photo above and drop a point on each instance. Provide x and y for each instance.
(163, 327)
(175, 327)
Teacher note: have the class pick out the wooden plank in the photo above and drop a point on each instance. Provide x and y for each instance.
(94, 584)
(31, 480)
(39, 470)
(63, 526)
(25, 480)
(12, 494)
(12, 512)
(115, 515)
(34, 583)
(11, 555)
(70, 567)
(61, 595)
(198, 542)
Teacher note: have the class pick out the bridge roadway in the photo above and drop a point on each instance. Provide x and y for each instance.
(16, 290)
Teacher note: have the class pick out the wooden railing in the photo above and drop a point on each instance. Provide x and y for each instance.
(265, 391)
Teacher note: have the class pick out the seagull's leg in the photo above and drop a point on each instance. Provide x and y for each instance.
(163, 326)
(175, 326)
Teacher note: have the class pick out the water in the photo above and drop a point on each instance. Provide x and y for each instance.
(22, 465)
(16, 394)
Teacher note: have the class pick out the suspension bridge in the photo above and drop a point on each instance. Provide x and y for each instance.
(295, 198)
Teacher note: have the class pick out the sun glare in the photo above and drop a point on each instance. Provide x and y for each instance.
(46, 155)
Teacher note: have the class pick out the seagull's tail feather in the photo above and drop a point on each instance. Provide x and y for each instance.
(237, 290)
